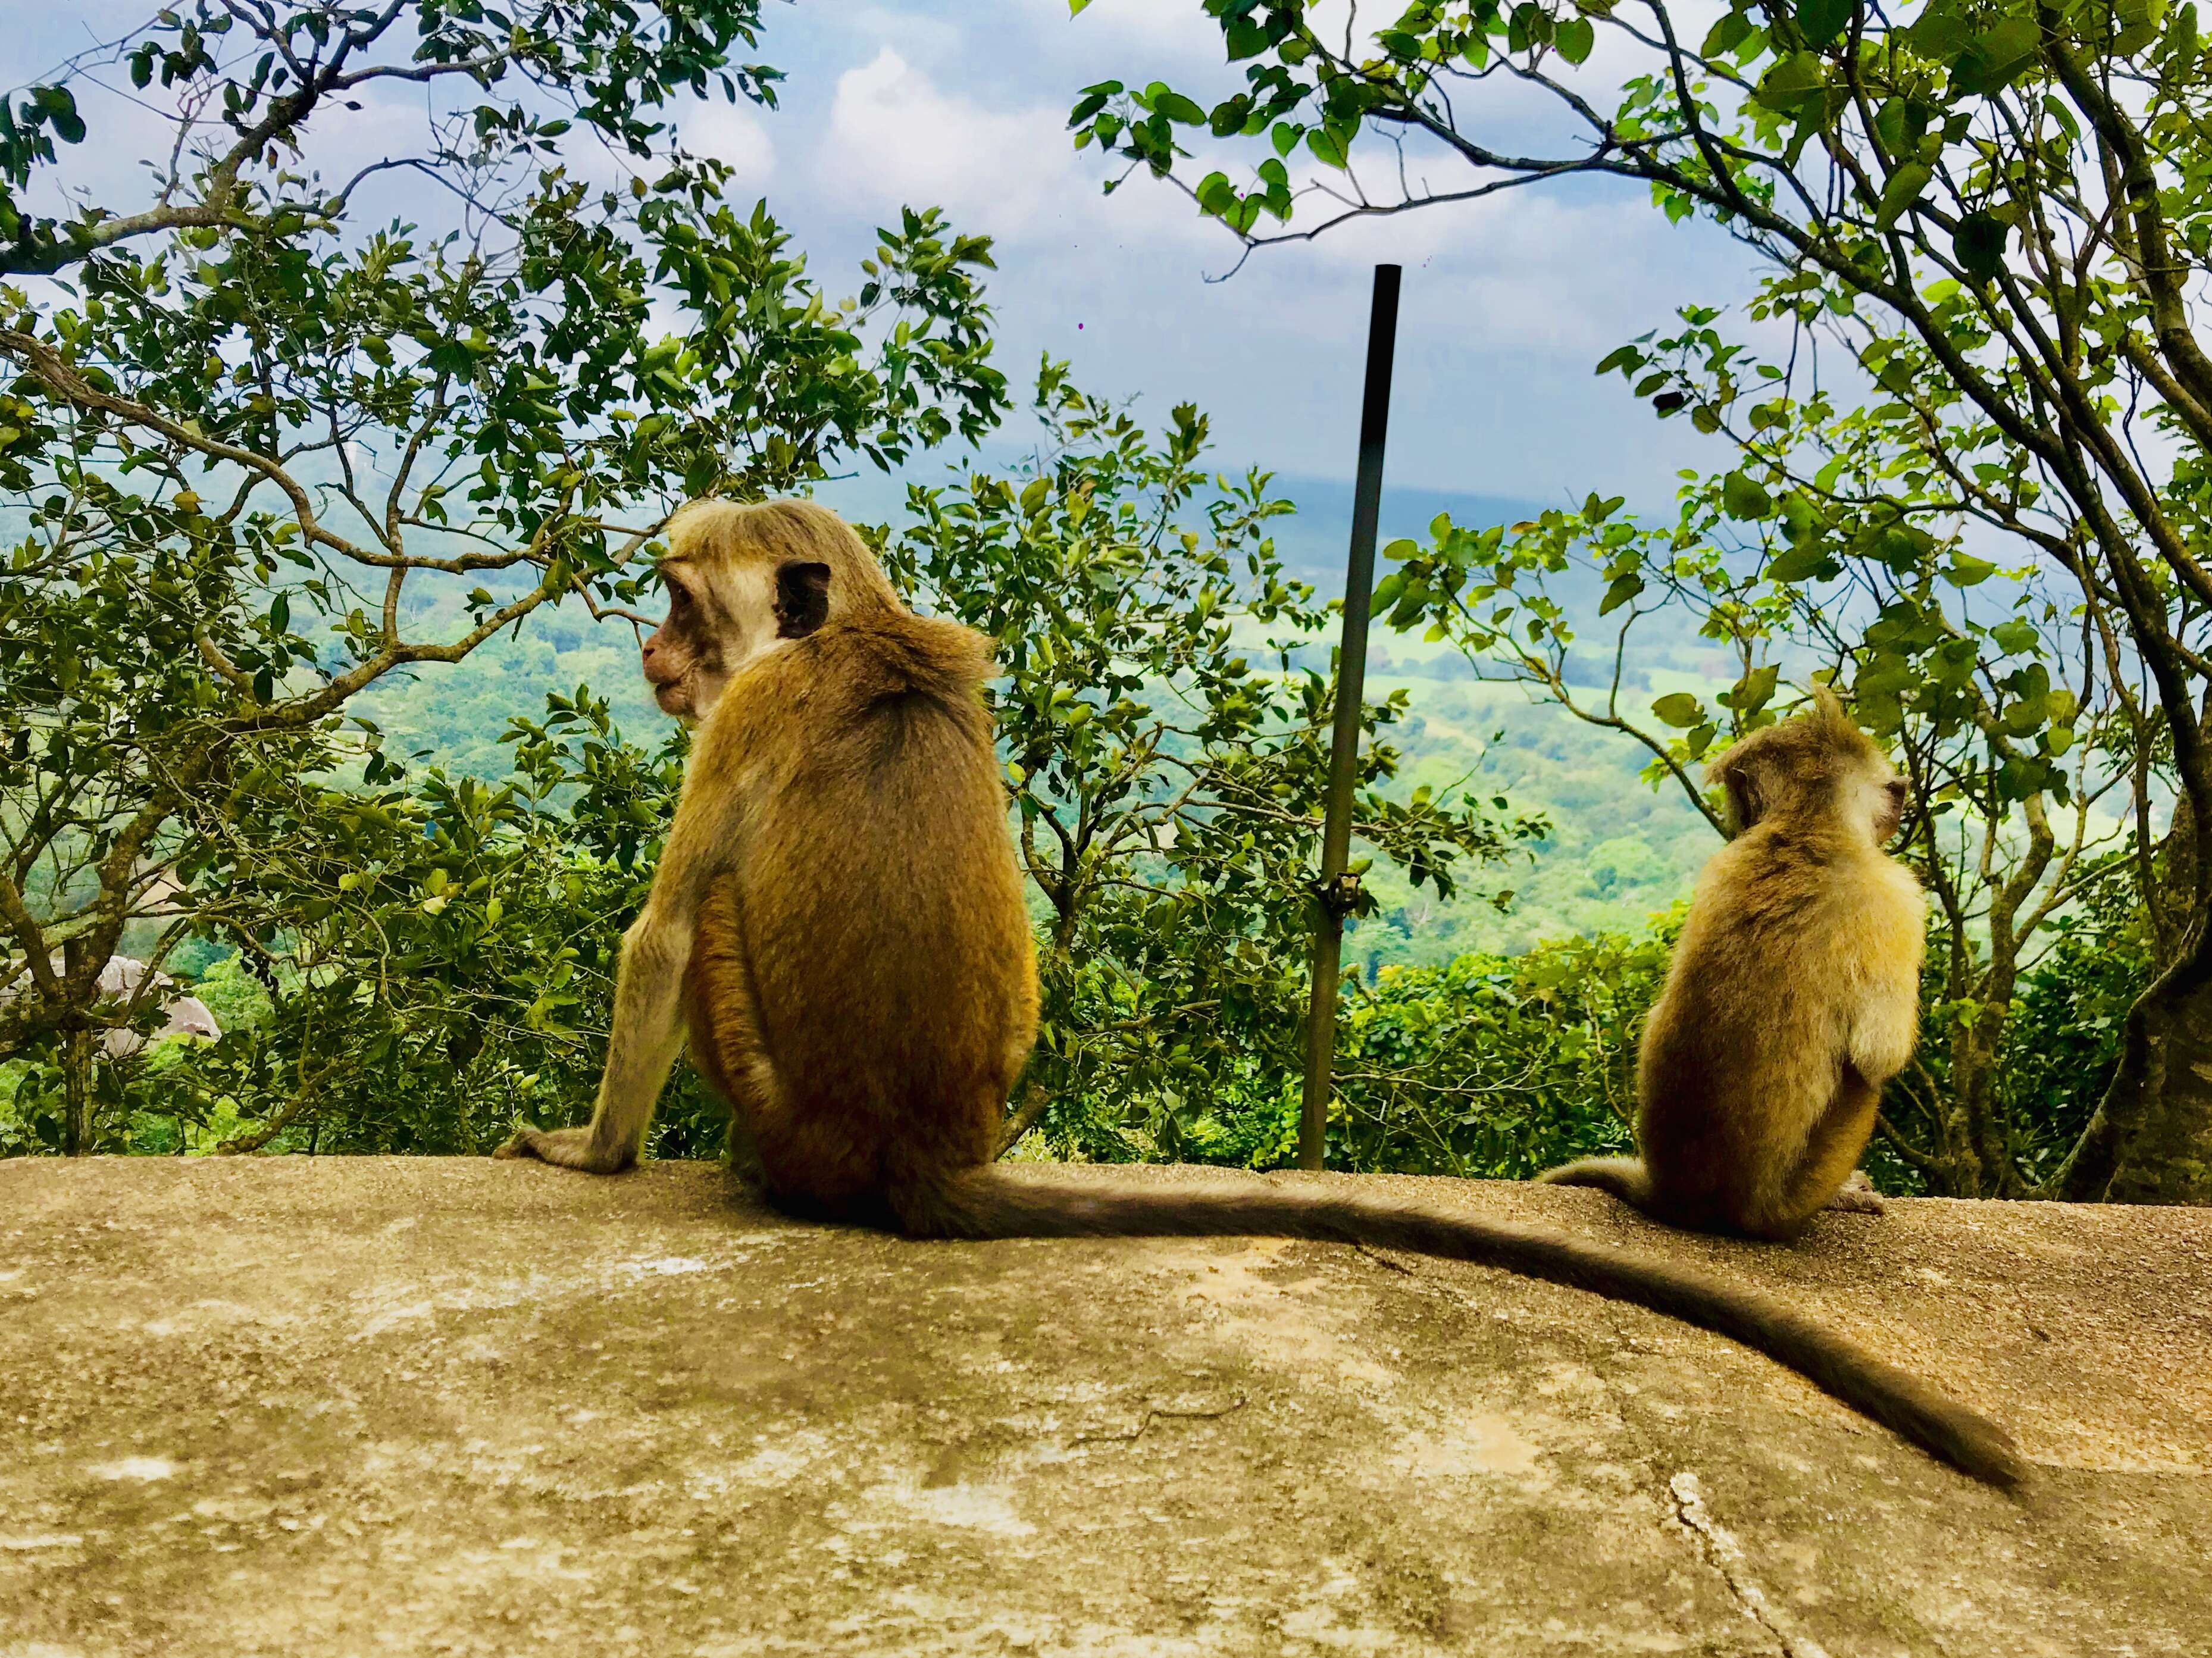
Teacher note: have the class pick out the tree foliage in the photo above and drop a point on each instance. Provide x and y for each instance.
(252, 426)
(1168, 765)
(2021, 752)
(1993, 212)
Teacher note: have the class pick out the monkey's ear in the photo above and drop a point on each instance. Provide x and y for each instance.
(1742, 805)
(802, 598)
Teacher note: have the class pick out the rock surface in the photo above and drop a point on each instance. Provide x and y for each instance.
(334, 1406)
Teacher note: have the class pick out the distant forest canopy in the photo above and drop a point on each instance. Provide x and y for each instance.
(1618, 850)
(317, 693)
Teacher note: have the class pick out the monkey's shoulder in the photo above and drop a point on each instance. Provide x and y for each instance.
(897, 654)
(1899, 887)
(844, 670)
(1794, 886)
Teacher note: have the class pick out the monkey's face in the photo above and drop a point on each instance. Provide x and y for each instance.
(1877, 797)
(684, 659)
(721, 615)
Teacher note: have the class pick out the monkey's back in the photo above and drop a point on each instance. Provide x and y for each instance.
(1744, 1050)
(875, 914)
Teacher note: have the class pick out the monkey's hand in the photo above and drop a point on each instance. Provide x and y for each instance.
(566, 1148)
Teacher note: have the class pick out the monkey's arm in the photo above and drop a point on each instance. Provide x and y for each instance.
(1882, 966)
(648, 1034)
(1884, 1027)
(648, 1021)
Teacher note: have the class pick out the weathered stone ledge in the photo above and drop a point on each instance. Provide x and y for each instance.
(334, 1406)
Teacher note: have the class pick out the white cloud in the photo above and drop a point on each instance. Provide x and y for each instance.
(1181, 27)
(923, 34)
(733, 134)
(896, 138)
(1509, 301)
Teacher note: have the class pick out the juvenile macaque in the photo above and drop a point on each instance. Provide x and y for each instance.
(838, 917)
(1793, 994)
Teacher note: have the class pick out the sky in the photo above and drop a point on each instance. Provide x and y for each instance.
(1508, 303)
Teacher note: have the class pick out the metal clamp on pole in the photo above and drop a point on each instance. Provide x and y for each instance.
(1338, 890)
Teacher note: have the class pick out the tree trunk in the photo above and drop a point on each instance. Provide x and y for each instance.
(1979, 1167)
(2150, 1140)
(1023, 1117)
(76, 1093)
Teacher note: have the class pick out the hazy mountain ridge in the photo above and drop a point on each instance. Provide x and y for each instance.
(1618, 850)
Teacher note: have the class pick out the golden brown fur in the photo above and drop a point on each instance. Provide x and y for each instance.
(858, 1007)
(1793, 996)
(839, 918)
(838, 915)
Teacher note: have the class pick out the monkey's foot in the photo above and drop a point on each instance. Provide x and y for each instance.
(741, 1155)
(1856, 1196)
(564, 1148)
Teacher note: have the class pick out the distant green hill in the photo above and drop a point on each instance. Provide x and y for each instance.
(1617, 851)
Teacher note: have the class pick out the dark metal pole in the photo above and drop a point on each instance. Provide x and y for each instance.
(1336, 890)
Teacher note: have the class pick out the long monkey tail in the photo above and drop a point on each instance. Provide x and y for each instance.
(990, 1203)
(1625, 1177)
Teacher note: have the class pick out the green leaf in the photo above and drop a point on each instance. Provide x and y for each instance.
(1903, 189)
(1623, 589)
(1979, 243)
(1823, 19)
(1742, 497)
(1075, 7)
(2139, 20)
(1797, 81)
(1965, 570)
(1727, 35)
(1326, 149)
(1177, 107)
(1244, 39)
(451, 358)
(61, 110)
(1797, 564)
(1679, 709)
(1752, 692)
(1575, 37)
(1993, 61)
(1940, 32)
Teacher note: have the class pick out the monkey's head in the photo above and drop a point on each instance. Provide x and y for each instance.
(743, 579)
(1814, 765)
